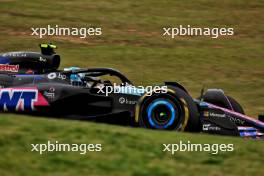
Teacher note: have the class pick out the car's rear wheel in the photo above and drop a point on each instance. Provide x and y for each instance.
(174, 110)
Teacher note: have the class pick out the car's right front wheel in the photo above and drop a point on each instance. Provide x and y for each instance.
(174, 110)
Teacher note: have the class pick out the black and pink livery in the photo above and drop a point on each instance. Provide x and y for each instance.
(31, 83)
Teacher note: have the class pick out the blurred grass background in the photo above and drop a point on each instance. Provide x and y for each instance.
(132, 42)
(125, 151)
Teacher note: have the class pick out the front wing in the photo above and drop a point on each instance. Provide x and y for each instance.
(218, 120)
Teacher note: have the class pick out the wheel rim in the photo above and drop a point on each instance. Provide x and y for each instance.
(161, 113)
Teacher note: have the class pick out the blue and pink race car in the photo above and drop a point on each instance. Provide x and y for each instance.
(31, 83)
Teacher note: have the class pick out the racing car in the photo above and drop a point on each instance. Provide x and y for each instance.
(31, 83)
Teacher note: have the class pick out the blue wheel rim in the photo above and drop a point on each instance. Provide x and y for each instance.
(154, 105)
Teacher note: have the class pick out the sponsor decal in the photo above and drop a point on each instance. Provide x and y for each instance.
(123, 100)
(41, 59)
(52, 89)
(212, 114)
(62, 76)
(21, 99)
(50, 94)
(9, 68)
(208, 127)
(236, 120)
(240, 116)
(52, 75)
(206, 114)
(15, 54)
(55, 75)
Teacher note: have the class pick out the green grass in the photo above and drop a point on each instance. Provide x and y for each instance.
(126, 151)
(132, 42)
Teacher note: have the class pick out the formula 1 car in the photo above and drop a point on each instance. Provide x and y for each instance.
(31, 83)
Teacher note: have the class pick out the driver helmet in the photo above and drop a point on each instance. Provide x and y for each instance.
(76, 79)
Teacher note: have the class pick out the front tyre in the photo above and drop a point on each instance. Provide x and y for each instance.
(174, 110)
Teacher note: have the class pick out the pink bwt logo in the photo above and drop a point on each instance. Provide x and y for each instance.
(21, 99)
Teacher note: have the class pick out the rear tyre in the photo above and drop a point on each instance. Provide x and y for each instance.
(174, 110)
